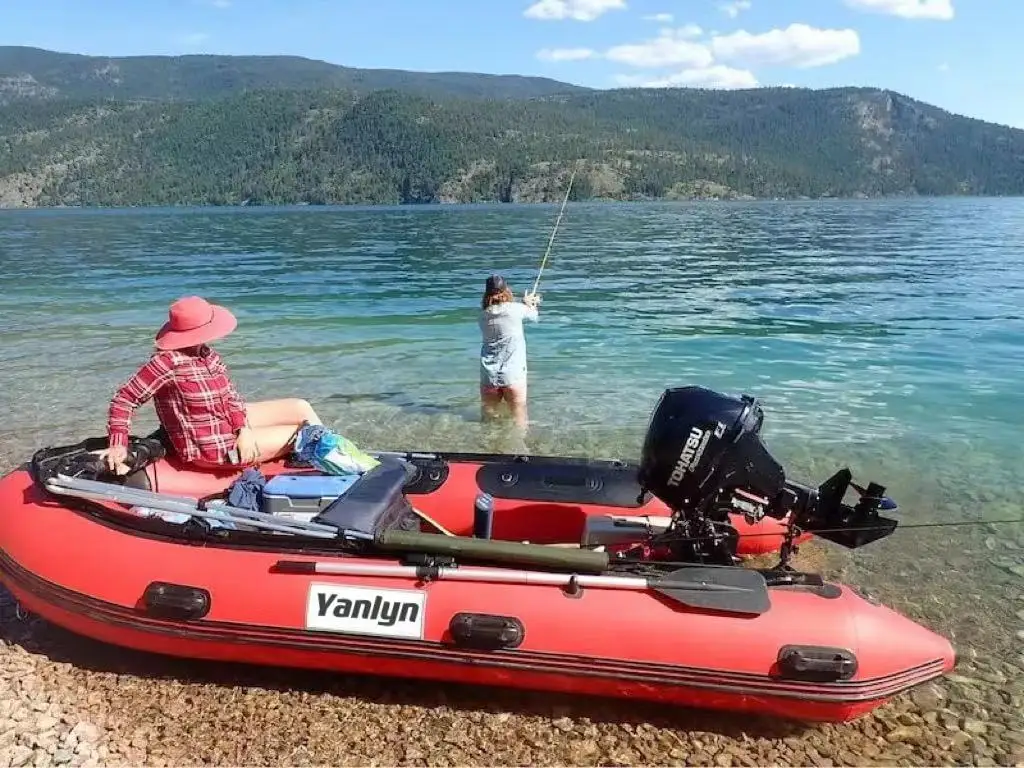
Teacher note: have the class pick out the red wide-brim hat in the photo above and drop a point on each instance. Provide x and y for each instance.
(192, 321)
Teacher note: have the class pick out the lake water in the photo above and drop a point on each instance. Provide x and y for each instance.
(889, 329)
(886, 335)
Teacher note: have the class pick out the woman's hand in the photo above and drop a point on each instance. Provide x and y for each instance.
(116, 459)
(248, 451)
(531, 300)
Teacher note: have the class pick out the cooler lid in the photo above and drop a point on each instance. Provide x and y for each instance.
(309, 486)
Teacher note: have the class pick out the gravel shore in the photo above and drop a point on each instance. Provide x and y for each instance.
(71, 701)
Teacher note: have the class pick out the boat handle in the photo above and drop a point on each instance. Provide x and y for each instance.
(485, 631)
(177, 602)
(815, 663)
(584, 482)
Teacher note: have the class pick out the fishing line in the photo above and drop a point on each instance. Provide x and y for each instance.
(950, 524)
(551, 240)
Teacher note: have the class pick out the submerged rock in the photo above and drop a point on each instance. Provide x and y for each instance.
(974, 727)
(928, 697)
(18, 756)
(911, 734)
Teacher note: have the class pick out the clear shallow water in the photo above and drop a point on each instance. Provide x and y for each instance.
(884, 334)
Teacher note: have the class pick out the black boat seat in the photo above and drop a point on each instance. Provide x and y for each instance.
(374, 503)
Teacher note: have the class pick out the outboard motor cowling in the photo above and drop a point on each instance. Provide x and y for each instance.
(701, 443)
(704, 458)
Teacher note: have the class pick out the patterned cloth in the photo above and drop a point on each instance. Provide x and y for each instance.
(331, 453)
(195, 401)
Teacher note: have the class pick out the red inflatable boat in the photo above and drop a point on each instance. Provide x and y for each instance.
(542, 499)
(362, 586)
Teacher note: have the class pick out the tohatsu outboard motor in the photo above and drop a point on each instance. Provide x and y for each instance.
(704, 458)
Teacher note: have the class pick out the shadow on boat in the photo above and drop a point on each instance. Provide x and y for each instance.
(61, 646)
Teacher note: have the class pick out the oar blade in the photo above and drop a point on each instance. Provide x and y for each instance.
(730, 590)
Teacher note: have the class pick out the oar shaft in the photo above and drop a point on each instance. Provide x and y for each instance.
(700, 593)
(492, 575)
(140, 499)
(184, 505)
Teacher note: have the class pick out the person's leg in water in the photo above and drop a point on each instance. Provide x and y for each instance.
(515, 396)
(490, 402)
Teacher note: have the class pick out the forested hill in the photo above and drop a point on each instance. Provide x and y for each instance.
(239, 129)
(40, 73)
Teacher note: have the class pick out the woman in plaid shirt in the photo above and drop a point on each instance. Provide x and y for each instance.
(207, 421)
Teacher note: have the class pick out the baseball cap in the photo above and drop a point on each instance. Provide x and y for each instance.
(496, 284)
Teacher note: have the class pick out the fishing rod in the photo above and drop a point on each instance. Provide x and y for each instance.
(554, 231)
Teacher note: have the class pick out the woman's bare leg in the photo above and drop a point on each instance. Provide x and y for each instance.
(515, 396)
(274, 442)
(290, 411)
(490, 401)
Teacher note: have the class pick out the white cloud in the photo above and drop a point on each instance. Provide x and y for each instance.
(943, 67)
(565, 54)
(691, 59)
(661, 18)
(672, 48)
(798, 45)
(578, 10)
(714, 76)
(735, 8)
(907, 9)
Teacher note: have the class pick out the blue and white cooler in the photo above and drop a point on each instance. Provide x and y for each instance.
(303, 497)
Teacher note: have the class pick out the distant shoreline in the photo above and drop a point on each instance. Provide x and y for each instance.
(495, 203)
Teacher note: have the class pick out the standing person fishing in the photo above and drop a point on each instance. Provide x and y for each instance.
(503, 349)
(503, 369)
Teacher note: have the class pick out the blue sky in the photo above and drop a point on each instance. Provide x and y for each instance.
(963, 55)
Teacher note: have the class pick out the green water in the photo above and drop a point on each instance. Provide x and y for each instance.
(884, 335)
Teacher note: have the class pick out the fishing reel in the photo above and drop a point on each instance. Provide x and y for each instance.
(704, 458)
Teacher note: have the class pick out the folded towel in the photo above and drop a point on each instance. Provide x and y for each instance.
(246, 491)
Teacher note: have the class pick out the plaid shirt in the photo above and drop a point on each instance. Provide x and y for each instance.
(194, 399)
